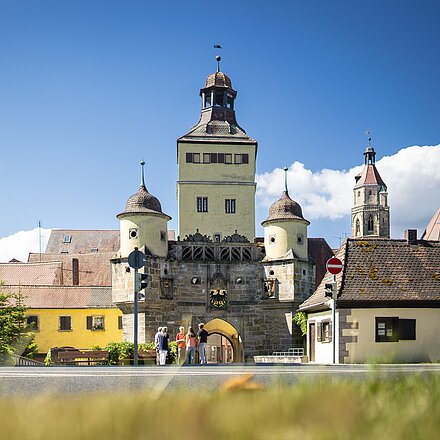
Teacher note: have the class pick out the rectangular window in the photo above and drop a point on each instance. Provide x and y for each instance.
(230, 206)
(196, 157)
(33, 322)
(202, 204)
(237, 158)
(228, 158)
(221, 157)
(67, 239)
(213, 157)
(324, 331)
(217, 237)
(95, 322)
(206, 157)
(120, 322)
(387, 329)
(407, 329)
(189, 157)
(245, 158)
(269, 289)
(65, 323)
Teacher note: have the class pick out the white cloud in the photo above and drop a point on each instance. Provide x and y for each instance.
(412, 176)
(19, 245)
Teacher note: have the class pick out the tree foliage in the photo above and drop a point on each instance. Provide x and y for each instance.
(15, 336)
(300, 319)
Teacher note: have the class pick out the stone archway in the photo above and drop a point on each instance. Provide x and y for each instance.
(226, 330)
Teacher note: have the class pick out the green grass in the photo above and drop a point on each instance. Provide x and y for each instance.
(406, 407)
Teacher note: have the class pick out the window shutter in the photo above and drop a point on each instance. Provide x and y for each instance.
(120, 322)
(319, 332)
(89, 322)
(330, 331)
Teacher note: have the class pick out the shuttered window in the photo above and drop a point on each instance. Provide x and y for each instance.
(65, 323)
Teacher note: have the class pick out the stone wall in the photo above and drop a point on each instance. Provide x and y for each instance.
(179, 294)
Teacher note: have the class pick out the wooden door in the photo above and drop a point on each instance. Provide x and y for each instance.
(312, 337)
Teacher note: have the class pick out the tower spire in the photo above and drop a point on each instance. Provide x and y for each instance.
(142, 173)
(285, 179)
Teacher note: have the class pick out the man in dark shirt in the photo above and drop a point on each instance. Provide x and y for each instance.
(202, 337)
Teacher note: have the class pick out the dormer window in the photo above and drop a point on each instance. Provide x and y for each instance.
(67, 239)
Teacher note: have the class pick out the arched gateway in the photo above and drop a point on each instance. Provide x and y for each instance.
(224, 342)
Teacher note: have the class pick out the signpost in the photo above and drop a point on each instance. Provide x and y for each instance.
(334, 266)
(136, 260)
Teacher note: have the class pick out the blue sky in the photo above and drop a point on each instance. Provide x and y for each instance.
(87, 88)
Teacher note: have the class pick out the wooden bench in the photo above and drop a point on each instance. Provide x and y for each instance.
(78, 357)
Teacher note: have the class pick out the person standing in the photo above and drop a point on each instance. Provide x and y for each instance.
(156, 343)
(202, 337)
(163, 346)
(190, 346)
(181, 345)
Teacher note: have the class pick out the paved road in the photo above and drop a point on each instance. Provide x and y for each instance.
(37, 380)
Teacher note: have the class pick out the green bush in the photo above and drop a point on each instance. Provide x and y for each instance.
(120, 351)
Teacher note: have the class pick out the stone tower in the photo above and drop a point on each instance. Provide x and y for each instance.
(216, 168)
(370, 215)
(143, 224)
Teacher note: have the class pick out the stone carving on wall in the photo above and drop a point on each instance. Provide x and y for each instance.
(235, 238)
(198, 238)
(166, 288)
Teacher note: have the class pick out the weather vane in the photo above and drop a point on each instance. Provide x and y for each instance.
(218, 57)
(285, 178)
(368, 134)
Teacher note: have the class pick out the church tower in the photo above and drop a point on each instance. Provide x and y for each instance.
(370, 215)
(216, 168)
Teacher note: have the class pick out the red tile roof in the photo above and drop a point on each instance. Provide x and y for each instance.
(49, 274)
(62, 297)
(370, 176)
(432, 231)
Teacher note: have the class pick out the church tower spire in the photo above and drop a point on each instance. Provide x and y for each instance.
(370, 215)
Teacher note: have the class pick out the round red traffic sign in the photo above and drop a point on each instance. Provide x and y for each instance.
(334, 265)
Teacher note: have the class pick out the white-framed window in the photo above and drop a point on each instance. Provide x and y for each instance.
(67, 239)
(202, 204)
(230, 205)
(95, 322)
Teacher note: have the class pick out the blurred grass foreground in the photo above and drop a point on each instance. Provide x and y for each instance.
(406, 407)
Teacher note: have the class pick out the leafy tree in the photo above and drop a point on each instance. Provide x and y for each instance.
(300, 319)
(15, 336)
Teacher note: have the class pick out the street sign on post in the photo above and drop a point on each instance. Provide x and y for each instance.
(136, 260)
(334, 265)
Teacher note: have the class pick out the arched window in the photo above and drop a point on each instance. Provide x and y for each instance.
(358, 228)
(370, 224)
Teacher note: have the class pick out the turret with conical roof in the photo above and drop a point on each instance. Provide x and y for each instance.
(216, 168)
(143, 223)
(285, 229)
(370, 213)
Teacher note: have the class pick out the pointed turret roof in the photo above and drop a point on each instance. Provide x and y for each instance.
(432, 231)
(369, 175)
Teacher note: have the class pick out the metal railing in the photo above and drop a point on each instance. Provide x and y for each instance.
(20, 361)
(290, 352)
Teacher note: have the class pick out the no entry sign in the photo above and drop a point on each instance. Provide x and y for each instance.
(334, 265)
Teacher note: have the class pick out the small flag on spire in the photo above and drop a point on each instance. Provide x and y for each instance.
(217, 46)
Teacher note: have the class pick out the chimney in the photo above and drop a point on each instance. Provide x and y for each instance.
(75, 272)
(411, 236)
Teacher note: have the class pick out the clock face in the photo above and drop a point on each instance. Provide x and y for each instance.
(218, 298)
